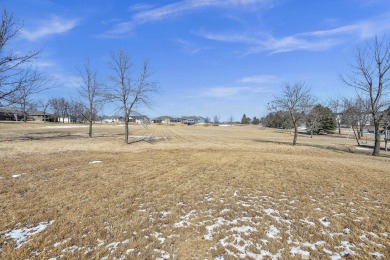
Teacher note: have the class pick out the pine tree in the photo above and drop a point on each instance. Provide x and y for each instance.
(322, 118)
(244, 120)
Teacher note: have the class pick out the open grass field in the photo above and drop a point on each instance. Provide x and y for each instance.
(189, 192)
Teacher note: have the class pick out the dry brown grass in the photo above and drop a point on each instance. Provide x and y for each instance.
(196, 192)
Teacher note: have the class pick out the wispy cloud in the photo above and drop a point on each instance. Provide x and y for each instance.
(229, 92)
(175, 9)
(261, 79)
(310, 41)
(139, 7)
(55, 25)
(66, 81)
(189, 47)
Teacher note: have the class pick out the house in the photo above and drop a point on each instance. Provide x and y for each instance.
(41, 116)
(163, 120)
(10, 114)
(67, 119)
(112, 119)
(176, 120)
(192, 120)
(139, 120)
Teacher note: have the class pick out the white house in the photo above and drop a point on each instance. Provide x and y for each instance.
(112, 119)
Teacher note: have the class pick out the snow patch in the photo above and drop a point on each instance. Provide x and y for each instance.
(164, 254)
(244, 229)
(307, 221)
(185, 220)
(61, 243)
(324, 221)
(377, 255)
(18, 175)
(94, 162)
(347, 248)
(159, 236)
(65, 126)
(21, 235)
(70, 249)
(298, 251)
(272, 232)
(364, 148)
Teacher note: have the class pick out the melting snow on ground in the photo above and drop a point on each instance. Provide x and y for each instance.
(18, 175)
(272, 232)
(65, 126)
(324, 221)
(95, 162)
(248, 228)
(21, 235)
(298, 251)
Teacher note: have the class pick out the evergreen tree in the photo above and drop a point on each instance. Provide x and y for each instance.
(278, 119)
(244, 119)
(322, 118)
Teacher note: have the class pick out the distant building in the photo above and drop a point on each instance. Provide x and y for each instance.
(67, 119)
(163, 120)
(192, 120)
(188, 120)
(112, 119)
(10, 114)
(41, 116)
(139, 120)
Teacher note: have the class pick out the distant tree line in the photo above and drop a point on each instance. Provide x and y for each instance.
(247, 120)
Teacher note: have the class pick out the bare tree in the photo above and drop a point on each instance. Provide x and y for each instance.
(91, 93)
(313, 120)
(207, 120)
(370, 78)
(60, 107)
(216, 120)
(12, 63)
(231, 120)
(44, 106)
(30, 83)
(336, 104)
(76, 111)
(127, 91)
(351, 116)
(297, 101)
(363, 108)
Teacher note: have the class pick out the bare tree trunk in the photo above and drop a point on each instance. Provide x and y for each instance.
(90, 119)
(377, 146)
(90, 129)
(339, 125)
(295, 135)
(126, 131)
(311, 132)
(356, 135)
(25, 116)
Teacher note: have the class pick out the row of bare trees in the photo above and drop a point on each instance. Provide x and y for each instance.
(128, 89)
(20, 82)
(369, 77)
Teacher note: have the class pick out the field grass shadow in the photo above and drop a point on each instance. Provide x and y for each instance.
(345, 149)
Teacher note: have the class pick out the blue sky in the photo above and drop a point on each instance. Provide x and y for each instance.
(210, 57)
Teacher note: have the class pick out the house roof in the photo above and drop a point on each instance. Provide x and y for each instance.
(112, 117)
(39, 114)
(192, 117)
(163, 118)
(10, 110)
(139, 117)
